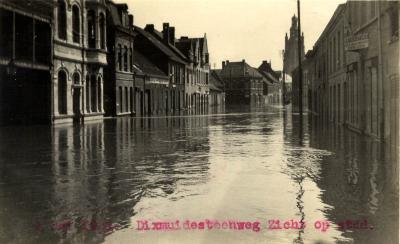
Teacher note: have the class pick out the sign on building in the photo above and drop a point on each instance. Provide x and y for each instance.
(356, 42)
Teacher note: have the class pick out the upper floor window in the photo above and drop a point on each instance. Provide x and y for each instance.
(394, 21)
(62, 19)
(102, 31)
(75, 24)
(91, 29)
(131, 59)
(119, 57)
(372, 9)
(125, 58)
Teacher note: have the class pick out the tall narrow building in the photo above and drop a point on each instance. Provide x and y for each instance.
(291, 58)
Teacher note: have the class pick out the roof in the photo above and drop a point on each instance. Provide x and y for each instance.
(143, 66)
(216, 82)
(159, 35)
(338, 10)
(269, 79)
(160, 45)
(270, 75)
(234, 69)
(188, 46)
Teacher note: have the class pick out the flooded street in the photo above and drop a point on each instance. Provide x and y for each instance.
(95, 183)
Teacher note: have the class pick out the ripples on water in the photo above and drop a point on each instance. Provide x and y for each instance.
(255, 166)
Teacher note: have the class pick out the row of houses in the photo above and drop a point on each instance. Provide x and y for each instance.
(351, 76)
(244, 84)
(79, 60)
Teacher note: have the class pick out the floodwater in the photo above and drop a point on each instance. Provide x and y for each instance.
(99, 182)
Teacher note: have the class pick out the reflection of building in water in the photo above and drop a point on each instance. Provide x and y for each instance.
(359, 183)
(81, 188)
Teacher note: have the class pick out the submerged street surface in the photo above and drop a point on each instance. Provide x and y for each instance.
(93, 183)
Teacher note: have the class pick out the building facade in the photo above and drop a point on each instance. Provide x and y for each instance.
(373, 70)
(26, 62)
(352, 73)
(119, 86)
(272, 86)
(217, 89)
(197, 72)
(243, 83)
(78, 60)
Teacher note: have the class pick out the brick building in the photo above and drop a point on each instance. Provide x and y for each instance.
(217, 89)
(272, 87)
(352, 72)
(197, 71)
(119, 87)
(243, 83)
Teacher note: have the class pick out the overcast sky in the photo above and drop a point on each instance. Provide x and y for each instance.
(253, 30)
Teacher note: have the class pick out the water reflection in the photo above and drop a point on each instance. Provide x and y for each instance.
(91, 183)
(358, 183)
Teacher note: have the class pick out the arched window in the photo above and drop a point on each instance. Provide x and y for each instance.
(62, 92)
(88, 93)
(91, 29)
(125, 58)
(62, 20)
(102, 31)
(93, 93)
(99, 94)
(76, 79)
(75, 24)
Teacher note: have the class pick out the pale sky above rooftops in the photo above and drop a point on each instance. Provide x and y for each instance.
(253, 30)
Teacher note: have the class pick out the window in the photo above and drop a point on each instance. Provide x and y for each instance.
(62, 92)
(120, 99)
(119, 57)
(75, 24)
(6, 41)
(102, 31)
(76, 79)
(93, 95)
(372, 9)
(91, 29)
(88, 93)
(339, 50)
(125, 58)
(131, 59)
(363, 13)
(394, 20)
(99, 97)
(62, 20)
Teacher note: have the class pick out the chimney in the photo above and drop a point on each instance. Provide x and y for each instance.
(172, 35)
(149, 28)
(130, 20)
(243, 61)
(223, 64)
(227, 62)
(165, 32)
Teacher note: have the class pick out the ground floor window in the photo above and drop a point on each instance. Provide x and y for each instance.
(62, 92)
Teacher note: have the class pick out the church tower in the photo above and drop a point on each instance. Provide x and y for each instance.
(291, 58)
